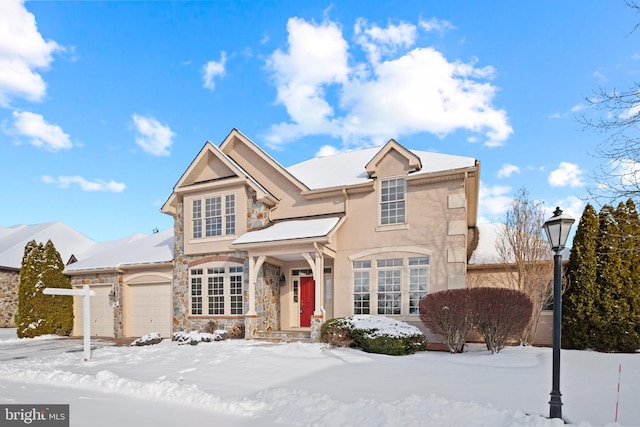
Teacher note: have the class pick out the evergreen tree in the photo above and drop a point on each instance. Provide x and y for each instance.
(40, 314)
(579, 319)
(615, 332)
(58, 309)
(629, 319)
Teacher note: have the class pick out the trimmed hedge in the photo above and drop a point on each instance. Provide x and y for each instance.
(447, 313)
(497, 314)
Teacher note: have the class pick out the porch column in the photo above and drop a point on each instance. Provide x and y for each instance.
(255, 263)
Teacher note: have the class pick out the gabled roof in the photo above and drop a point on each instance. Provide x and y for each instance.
(412, 159)
(67, 241)
(196, 174)
(138, 249)
(349, 168)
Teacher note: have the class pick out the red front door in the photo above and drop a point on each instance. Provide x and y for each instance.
(307, 300)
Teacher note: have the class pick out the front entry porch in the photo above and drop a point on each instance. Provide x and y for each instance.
(303, 270)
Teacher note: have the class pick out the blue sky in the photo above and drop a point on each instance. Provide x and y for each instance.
(103, 105)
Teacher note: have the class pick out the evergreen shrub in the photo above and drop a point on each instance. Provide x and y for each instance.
(373, 334)
(337, 332)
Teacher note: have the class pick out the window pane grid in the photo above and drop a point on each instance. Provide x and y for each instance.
(389, 289)
(224, 293)
(392, 201)
(197, 218)
(235, 290)
(361, 292)
(196, 295)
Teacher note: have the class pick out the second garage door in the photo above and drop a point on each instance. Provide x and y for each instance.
(101, 313)
(150, 309)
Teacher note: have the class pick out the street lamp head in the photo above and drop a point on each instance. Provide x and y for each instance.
(557, 228)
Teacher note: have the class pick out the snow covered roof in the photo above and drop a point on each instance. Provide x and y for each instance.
(67, 241)
(133, 250)
(288, 230)
(486, 253)
(348, 168)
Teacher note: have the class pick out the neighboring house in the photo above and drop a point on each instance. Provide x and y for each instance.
(280, 250)
(486, 268)
(67, 241)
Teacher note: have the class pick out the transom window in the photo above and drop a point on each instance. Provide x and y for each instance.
(392, 201)
(400, 284)
(214, 216)
(223, 295)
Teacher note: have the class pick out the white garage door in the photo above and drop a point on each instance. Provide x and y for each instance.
(101, 313)
(150, 309)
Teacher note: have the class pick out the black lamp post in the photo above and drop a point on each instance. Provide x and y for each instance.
(557, 228)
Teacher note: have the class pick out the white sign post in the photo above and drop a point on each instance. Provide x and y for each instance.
(85, 293)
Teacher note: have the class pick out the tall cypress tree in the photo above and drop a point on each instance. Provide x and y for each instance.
(28, 291)
(629, 305)
(40, 314)
(58, 309)
(580, 319)
(609, 281)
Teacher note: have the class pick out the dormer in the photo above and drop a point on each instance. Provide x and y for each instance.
(404, 161)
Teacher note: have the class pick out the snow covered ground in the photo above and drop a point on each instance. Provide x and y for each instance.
(250, 383)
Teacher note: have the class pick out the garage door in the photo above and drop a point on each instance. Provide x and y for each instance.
(101, 313)
(150, 309)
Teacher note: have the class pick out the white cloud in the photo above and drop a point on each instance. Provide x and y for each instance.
(507, 170)
(153, 137)
(213, 69)
(417, 91)
(40, 133)
(22, 51)
(572, 206)
(598, 74)
(435, 24)
(567, 174)
(85, 185)
(579, 107)
(625, 172)
(378, 42)
(494, 202)
(327, 150)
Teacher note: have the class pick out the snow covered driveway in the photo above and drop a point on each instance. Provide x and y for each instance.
(12, 348)
(249, 383)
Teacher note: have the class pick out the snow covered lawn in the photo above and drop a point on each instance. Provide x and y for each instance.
(252, 383)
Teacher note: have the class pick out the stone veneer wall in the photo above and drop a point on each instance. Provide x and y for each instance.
(268, 299)
(257, 212)
(114, 279)
(182, 321)
(9, 281)
(267, 286)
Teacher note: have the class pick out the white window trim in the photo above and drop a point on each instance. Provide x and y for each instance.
(226, 288)
(405, 281)
(221, 237)
(396, 225)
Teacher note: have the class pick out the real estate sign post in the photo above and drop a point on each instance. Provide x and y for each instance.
(85, 293)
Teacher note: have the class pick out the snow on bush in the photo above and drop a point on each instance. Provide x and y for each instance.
(194, 338)
(374, 334)
(149, 339)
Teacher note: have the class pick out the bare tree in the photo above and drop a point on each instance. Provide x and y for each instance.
(617, 117)
(526, 257)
